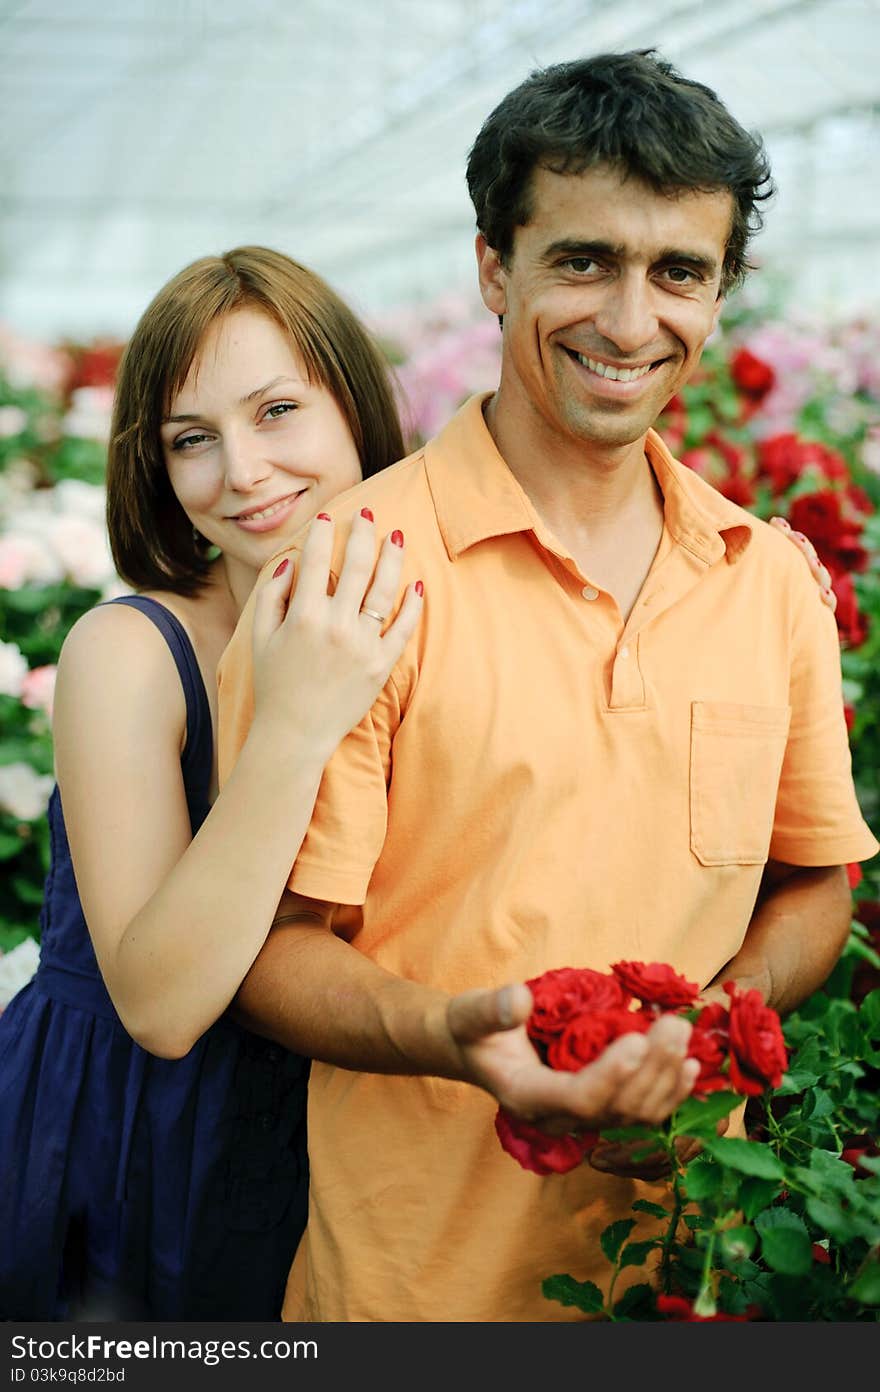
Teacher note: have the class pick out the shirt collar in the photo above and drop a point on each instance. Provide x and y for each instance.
(476, 497)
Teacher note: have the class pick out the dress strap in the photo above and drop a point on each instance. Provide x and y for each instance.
(199, 748)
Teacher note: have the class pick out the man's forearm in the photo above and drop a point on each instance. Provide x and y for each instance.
(315, 994)
(797, 932)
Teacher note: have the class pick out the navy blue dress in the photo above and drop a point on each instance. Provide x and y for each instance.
(134, 1187)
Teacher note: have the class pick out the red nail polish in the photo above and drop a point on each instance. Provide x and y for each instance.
(397, 538)
(365, 512)
(323, 517)
(280, 568)
(419, 588)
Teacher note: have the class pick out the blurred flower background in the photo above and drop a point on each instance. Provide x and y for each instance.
(783, 418)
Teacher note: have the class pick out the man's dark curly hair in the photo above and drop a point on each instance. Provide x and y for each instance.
(633, 111)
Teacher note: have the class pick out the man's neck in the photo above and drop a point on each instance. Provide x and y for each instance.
(602, 503)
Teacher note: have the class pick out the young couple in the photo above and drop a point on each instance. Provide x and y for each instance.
(615, 731)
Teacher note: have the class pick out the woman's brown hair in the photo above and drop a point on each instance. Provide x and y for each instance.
(151, 537)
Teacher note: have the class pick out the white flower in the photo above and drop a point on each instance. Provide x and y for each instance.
(24, 794)
(27, 560)
(13, 669)
(12, 421)
(83, 549)
(89, 414)
(73, 497)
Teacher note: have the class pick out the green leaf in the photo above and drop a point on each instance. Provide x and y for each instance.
(831, 1220)
(614, 1236)
(635, 1253)
(756, 1195)
(698, 1117)
(787, 1251)
(656, 1210)
(748, 1157)
(702, 1178)
(584, 1295)
(869, 1011)
(866, 1286)
(637, 1302)
(821, 1104)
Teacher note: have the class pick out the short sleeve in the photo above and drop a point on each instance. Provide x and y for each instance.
(817, 819)
(349, 822)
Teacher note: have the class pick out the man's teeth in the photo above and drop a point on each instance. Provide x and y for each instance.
(265, 512)
(617, 374)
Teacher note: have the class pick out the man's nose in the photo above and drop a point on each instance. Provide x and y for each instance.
(626, 316)
(245, 463)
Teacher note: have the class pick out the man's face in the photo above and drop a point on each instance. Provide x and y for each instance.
(608, 297)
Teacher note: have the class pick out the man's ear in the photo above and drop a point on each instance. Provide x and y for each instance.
(493, 277)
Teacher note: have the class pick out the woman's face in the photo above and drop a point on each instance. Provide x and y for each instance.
(253, 449)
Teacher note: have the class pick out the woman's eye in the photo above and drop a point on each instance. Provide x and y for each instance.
(189, 441)
(278, 409)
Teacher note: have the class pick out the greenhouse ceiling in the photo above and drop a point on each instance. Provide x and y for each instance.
(143, 134)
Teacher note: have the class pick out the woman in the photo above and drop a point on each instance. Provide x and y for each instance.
(153, 1152)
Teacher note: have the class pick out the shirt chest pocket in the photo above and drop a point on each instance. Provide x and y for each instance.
(736, 760)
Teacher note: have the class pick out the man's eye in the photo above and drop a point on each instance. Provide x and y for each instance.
(581, 265)
(278, 409)
(681, 275)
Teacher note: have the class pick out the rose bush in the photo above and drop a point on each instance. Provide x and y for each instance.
(782, 1224)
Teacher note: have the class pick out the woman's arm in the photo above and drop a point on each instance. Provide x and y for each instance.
(176, 922)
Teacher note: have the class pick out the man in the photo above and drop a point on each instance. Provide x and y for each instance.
(618, 732)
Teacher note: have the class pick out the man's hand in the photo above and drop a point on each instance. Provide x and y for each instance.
(638, 1078)
(618, 1157)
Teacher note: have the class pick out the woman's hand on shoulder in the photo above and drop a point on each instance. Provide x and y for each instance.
(320, 660)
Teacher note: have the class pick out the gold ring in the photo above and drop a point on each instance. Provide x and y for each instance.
(373, 615)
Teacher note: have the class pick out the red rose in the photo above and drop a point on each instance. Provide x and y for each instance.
(700, 460)
(836, 538)
(758, 1057)
(709, 1042)
(854, 874)
(586, 1037)
(681, 1311)
(738, 489)
(538, 1152)
(781, 460)
(821, 1254)
(656, 984)
(561, 996)
(751, 374)
(849, 716)
(852, 624)
(672, 424)
(855, 1148)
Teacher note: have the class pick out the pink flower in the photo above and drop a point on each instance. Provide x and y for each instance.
(38, 689)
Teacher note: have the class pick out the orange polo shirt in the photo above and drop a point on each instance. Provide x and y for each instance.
(541, 785)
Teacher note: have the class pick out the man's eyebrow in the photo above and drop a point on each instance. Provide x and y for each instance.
(568, 247)
(251, 396)
(696, 260)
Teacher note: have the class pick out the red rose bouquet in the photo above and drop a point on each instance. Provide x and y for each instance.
(578, 1012)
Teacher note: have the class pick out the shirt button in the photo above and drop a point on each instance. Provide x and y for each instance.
(623, 652)
(590, 592)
